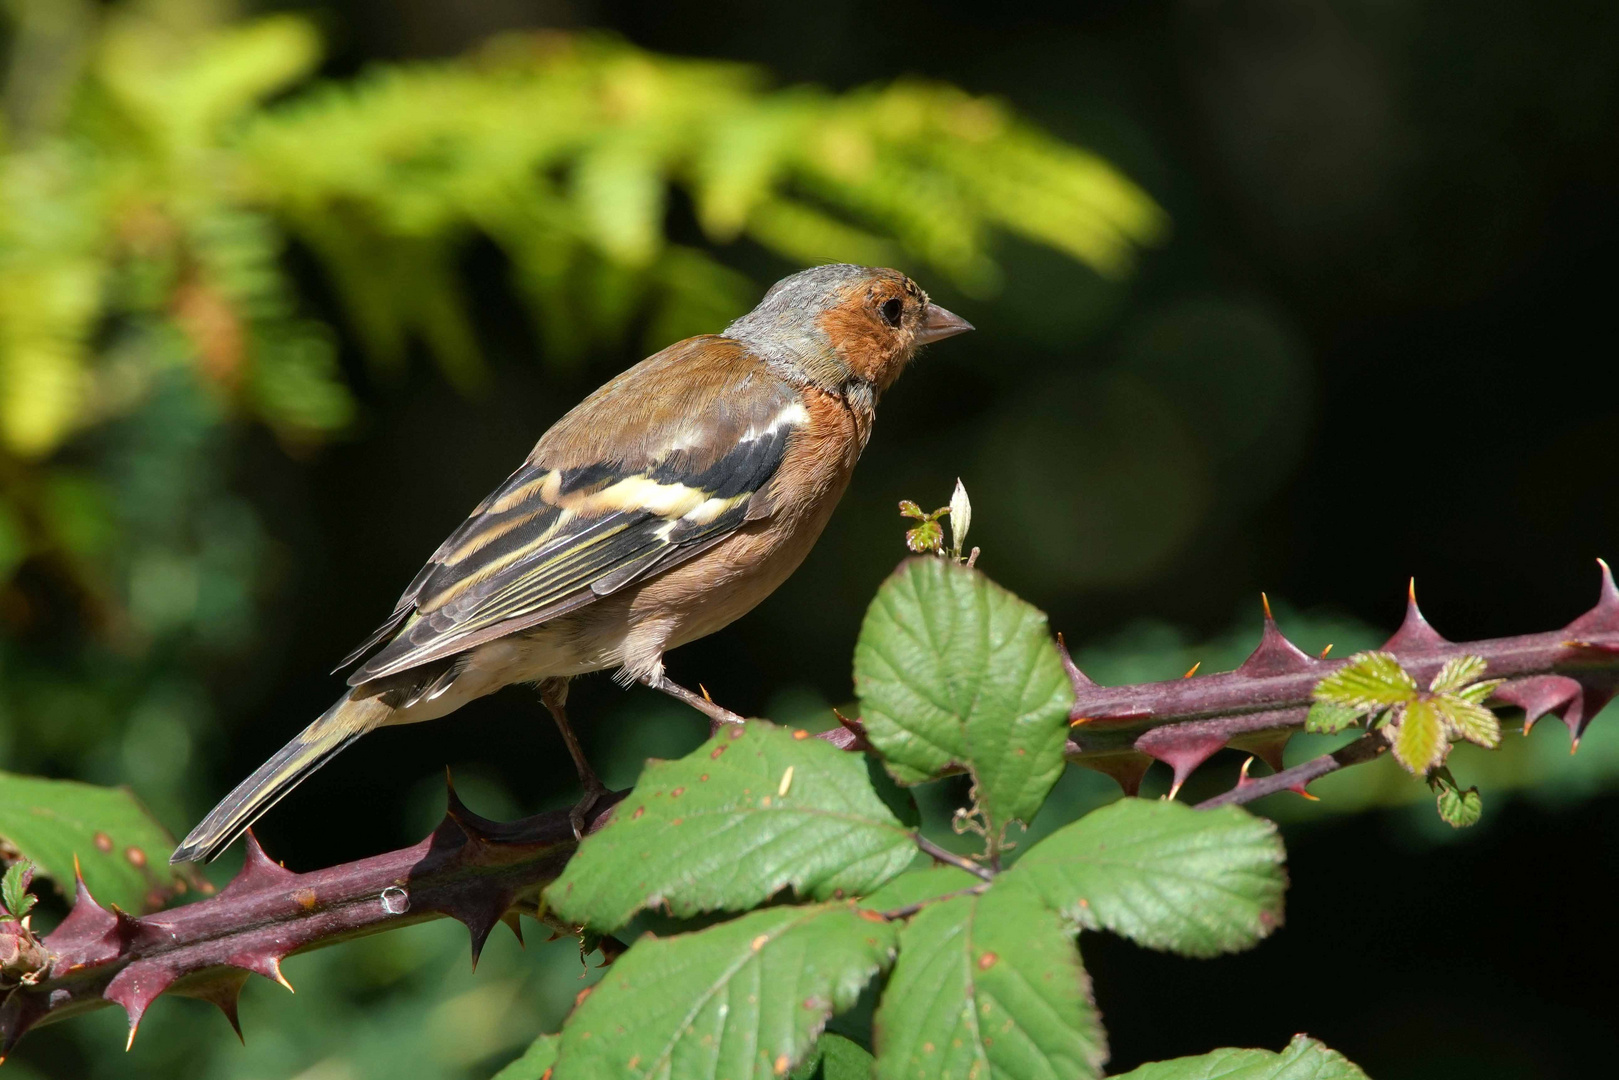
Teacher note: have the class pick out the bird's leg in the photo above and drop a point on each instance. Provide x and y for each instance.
(718, 715)
(554, 693)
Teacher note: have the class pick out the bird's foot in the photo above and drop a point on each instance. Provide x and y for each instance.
(579, 817)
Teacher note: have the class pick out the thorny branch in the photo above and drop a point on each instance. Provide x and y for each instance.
(484, 872)
(1120, 730)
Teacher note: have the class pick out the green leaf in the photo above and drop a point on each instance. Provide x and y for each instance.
(14, 894)
(122, 852)
(1419, 739)
(1303, 1059)
(925, 538)
(540, 1056)
(1457, 672)
(845, 1059)
(743, 998)
(1468, 720)
(836, 1058)
(1457, 808)
(1371, 680)
(1479, 692)
(752, 811)
(1195, 882)
(953, 669)
(1327, 718)
(988, 986)
(915, 886)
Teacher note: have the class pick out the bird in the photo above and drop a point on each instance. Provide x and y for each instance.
(662, 508)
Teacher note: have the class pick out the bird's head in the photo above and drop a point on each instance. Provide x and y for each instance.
(847, 329)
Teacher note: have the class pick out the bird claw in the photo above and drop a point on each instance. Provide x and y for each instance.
(579, 816)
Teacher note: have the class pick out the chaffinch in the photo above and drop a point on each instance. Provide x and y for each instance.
(663, 507)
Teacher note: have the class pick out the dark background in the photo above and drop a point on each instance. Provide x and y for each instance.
(1376, 344)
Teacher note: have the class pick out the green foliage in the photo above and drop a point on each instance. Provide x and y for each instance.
(917, 886)
(745, 998)
(954, 671)
(60, 825)
(15, 898)
(988, 980)
(926, 538)
(836, 1058)
(1457, 808)
(1303, 1059)
(754, 810)
(166, 189)
(1420, 724)
(535, 1061)
(1195, 882)
(988, 985)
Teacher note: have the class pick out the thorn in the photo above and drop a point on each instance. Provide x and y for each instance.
(1078, 678)
(1126, 769)
(1174, 790)
(1561, 695)
(1192, 670)
(515, 923)
(1604, 618)
(1275, 655)
(1322, 655)
(1268, 746)
(261, 964)
(704, 689)
(479, 916)
(89, 935)
(223, 991)
(1181, 749)
(135, 988)
(1242, 774)
(1299, 790)
(1414, 634)
(258, 871)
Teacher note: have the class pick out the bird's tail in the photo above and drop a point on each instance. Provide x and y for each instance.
(313, 747)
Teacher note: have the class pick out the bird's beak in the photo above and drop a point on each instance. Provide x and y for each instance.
(938, 324)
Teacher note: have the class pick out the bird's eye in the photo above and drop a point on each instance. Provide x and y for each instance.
(891, 310)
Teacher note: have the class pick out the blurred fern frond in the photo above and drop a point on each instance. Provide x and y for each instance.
(155, 169)
(565, 151)
(170, 183)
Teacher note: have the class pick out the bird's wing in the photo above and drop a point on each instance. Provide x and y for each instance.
(665, 460)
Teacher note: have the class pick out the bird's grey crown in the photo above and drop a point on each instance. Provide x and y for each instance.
(784, 327)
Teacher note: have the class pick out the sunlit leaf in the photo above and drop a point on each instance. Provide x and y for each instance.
(1329, 718)
(915, 886)
(1419, 737)
(1303, 1059)
(1195, 882)
(952, 669)
(1370, 680)
(122, 851)
(540, 1056)
(1457, 672)
(754, 810)
(745, 998)
(837, 1058)
(14, 894)
(992, 986)
(1466, 720)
